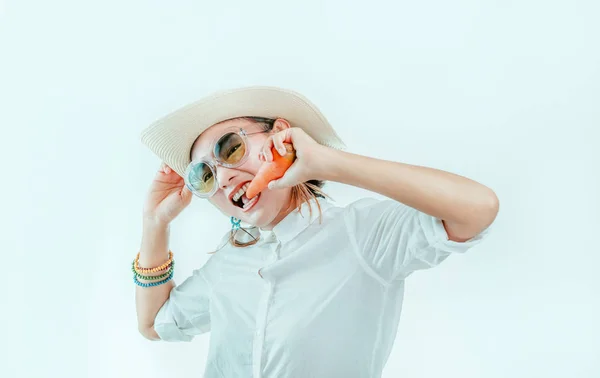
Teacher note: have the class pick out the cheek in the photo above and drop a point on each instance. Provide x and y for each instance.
(219, 200)
(255, 150)
(253, 163)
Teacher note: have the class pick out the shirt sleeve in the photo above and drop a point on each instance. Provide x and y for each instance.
(395, 240)
(186, 313)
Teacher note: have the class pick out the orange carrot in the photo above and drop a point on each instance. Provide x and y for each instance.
(271, 170)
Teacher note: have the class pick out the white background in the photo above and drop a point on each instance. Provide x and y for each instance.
(503, 92)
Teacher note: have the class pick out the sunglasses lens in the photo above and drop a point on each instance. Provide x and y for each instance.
(201, 178)
(230, 149)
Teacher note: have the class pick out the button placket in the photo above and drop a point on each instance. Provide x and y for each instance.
(272, 257)
(275, 249)
(262, 313)
(259, 334)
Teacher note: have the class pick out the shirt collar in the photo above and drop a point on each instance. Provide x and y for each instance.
(297, 221)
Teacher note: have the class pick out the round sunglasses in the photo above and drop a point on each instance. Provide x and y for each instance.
(229, 150)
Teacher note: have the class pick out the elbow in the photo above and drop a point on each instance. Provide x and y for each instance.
(148, 332)
(486, 212)
(491, 208)
(482, 216)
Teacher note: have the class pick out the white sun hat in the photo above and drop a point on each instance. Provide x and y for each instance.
(172, 136)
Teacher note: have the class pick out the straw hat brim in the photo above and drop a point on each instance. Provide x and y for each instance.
(172, 136)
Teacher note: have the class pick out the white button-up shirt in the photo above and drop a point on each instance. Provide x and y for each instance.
(310, 299)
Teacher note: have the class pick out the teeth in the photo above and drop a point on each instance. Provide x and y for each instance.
(240, 192)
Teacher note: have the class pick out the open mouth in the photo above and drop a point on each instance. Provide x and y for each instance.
(240, 200)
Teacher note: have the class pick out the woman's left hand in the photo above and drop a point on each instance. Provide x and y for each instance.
(308, 153)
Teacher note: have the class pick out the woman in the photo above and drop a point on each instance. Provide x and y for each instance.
(307, 288)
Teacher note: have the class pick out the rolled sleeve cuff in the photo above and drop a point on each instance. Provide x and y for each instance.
(165, 326)
(437, 237)
(168, 330)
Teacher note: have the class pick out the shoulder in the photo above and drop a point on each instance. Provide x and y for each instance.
(372, 207)
(210, 269)
(363, 203)
(362, 213)
(335, 208)
(357, 207)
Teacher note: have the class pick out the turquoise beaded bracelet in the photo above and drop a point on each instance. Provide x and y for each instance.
(153, 283)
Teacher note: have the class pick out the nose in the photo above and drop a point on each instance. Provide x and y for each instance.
(225, 176)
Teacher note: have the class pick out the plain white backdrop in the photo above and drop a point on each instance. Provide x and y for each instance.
(504, 92)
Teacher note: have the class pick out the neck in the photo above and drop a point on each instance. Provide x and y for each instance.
(282, 214)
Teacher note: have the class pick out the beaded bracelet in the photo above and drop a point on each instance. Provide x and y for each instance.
(164, 266)
(139, 274)
(152, 283)
(153, 278)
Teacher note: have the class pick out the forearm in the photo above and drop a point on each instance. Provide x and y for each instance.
(153, 252)
(441, 194)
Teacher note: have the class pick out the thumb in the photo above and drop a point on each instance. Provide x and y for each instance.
(274, 184)
(186, 194)
(278, 184)
(289, 179)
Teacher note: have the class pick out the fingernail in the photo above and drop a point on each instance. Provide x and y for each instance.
(282, 151)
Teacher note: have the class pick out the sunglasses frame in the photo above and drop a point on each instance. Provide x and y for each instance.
(212, 162)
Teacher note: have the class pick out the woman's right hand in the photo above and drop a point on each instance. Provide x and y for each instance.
(167, 196)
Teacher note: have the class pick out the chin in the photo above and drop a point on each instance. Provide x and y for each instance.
(267, 208)
(258, 218)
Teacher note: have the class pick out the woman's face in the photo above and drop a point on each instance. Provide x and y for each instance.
(269, 209)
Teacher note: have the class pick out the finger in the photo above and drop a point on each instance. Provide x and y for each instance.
(164, 168)
(167, 169)
(279, 143)
(267, 149)
(186, 193)
(290, 178)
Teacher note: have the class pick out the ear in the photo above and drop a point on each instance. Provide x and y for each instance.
(281, 124)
